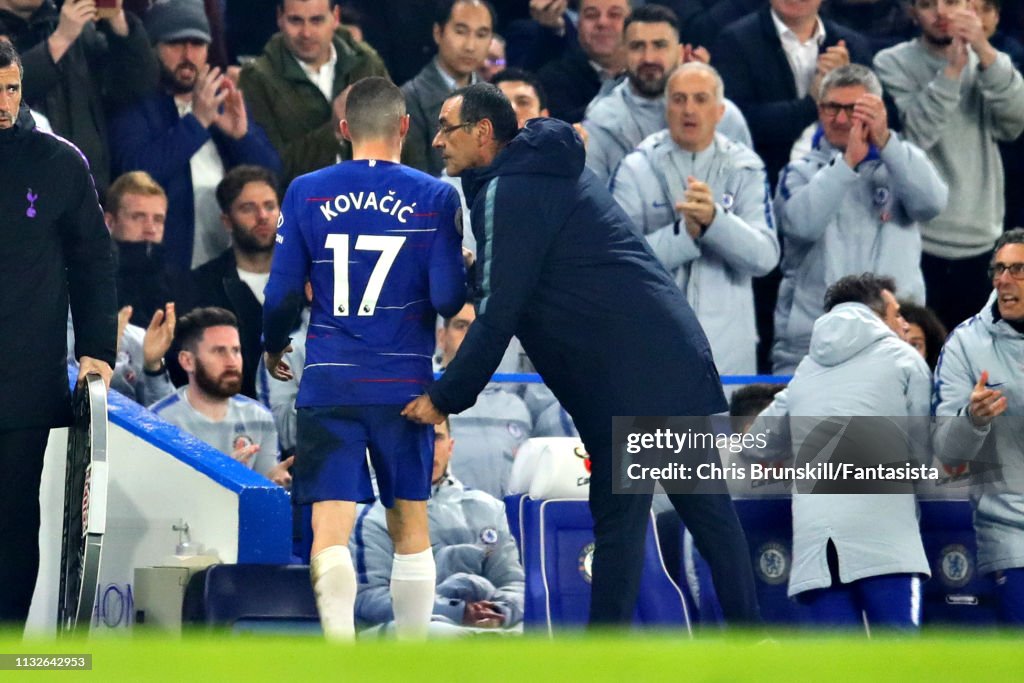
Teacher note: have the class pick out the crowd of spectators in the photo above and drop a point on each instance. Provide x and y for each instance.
(764, 148)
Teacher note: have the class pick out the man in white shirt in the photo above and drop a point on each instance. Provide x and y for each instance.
(772, 62)
(764, 60)
(296, 89)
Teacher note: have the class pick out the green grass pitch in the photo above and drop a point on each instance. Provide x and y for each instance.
(628, 658)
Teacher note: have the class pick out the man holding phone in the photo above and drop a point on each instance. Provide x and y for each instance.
(79, 60)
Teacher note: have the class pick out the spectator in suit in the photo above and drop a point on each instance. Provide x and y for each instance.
(462, 31)
(772, 62)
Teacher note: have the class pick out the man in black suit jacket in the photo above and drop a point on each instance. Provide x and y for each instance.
(758, 76)
(250, 206)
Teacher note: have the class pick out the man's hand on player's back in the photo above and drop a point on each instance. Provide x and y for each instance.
(422, 411)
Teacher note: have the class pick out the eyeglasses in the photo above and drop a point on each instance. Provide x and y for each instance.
(997, 269)
(832, 109)
(446, 131)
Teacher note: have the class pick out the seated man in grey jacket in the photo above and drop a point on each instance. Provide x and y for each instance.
(856, 557)
(701, 200)
(618, 121)
(854, 204)
(480, 580)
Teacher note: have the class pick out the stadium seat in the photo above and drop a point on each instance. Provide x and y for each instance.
(549, 516)
(956, 595)
(252, 597)
(557, 548)
(768, 525)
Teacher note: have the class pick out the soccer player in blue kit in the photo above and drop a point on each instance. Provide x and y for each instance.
(381, 245)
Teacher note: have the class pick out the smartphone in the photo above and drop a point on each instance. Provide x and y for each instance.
(107, 9)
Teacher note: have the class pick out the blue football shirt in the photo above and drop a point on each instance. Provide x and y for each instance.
(381, 245)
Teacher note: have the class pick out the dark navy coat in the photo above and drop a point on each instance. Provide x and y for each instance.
(560, 266)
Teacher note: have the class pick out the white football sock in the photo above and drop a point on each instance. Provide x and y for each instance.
(412, 593)
(334, 583)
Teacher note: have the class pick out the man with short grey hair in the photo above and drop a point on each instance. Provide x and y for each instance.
(852, 205)
(701, 201)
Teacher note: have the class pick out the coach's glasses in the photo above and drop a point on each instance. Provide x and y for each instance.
(997, 269)
(446, 131)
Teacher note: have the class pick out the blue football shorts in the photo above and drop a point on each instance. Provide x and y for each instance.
(330, 457)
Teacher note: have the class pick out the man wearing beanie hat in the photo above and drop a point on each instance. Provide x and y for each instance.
(189, 134)
(77, 68)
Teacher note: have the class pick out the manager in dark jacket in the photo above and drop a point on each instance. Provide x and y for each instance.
(604, 324)
(53, 243)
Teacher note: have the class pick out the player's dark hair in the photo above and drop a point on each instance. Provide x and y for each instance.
(235, 180)
(374, 109)
(9, 55)
(485, 101)
(443, 11)
(752, 399)
(515, 74)
(865, 288)
(190, 328)
(747, 402)
(653, 14)
(934, 330)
